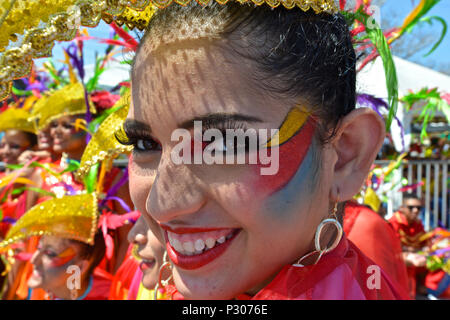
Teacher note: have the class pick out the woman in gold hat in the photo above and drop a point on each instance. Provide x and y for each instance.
(69, 250)
(19, 136)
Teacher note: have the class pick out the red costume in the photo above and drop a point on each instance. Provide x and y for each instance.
(124, 276)
(410, 236)
(342, 274)
(376, 239)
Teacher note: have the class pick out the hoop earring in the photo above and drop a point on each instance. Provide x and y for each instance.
(332, 220)
(162, 283)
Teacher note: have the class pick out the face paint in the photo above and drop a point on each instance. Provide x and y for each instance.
(64, 257)
(294, 140)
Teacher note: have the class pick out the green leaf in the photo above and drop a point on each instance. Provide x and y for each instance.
(443, 33)
(91, 179)
(378, 39)
(19, 92)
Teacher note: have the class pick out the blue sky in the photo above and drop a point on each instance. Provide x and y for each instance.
(401, 8)
(397, 8)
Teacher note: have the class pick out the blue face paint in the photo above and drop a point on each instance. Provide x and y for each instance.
(285, 202)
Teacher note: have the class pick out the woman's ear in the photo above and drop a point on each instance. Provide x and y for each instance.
(357, 142)
(84, 265)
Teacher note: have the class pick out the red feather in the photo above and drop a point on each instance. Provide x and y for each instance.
(131, 42)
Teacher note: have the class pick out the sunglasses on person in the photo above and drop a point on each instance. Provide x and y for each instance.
(419, 208)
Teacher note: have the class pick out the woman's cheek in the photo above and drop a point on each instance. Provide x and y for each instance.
(140, 181)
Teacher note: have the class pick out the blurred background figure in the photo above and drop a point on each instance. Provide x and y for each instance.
(410, 230)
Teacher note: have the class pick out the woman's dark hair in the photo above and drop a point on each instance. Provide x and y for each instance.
(94, 253)
(297, 54)
(32, 138)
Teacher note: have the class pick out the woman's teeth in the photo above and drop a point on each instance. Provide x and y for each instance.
(197, 243)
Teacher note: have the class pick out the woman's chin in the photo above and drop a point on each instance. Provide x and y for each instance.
(34, 282)
(148, 284)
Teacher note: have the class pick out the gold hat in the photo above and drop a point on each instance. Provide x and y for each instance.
(103, 144)
(63, 102)
(33, 26)
(72, 217)
(16, 119)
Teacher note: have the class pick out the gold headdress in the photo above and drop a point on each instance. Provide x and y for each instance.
(103, 144)
(29, 28)
(63, 102)
(72, 217)
(16, 119)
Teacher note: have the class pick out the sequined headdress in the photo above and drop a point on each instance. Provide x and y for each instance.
(16, 119)
(69, 100)
(30, 28)
(104, 146)
(72, 217)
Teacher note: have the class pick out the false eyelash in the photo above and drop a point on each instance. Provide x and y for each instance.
(130, 136)
(223, 126)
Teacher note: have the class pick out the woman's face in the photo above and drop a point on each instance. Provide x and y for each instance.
(227, 228)
(13, 143)
(51, 262)
(149, 250)
(44, 139)
(66, 138)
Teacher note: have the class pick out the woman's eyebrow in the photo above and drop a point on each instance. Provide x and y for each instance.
(135, 125)
(217, 118)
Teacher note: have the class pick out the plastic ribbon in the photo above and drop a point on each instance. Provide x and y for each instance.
(121, 202)
(16, 175)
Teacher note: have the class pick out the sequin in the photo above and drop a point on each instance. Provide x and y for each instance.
(103, 145)
(42, 22)
(72, 217)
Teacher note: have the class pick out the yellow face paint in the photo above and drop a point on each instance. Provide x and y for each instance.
(293, 122)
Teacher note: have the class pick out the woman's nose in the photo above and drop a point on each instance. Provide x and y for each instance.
(137, 234)
(176, 191)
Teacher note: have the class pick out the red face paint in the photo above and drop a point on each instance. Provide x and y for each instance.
(64, 257)
(293, 147)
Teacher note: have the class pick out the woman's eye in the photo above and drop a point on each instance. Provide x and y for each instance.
(50, 254)
(235, 145)
(218, 145)
(145, 145)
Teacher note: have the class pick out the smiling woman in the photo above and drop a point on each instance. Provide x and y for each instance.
(230, 231)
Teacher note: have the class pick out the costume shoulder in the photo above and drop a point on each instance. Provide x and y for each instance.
(376, 239)
(340, 275)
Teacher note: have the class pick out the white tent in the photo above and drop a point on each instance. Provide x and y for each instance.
(411, 77)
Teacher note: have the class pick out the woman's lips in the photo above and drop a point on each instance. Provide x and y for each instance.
(146, 264)
(192, 250)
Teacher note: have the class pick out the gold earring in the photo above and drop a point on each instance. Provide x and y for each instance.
(162, 283)
(332, 220)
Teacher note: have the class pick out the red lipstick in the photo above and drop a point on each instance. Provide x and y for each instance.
(191, 262)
